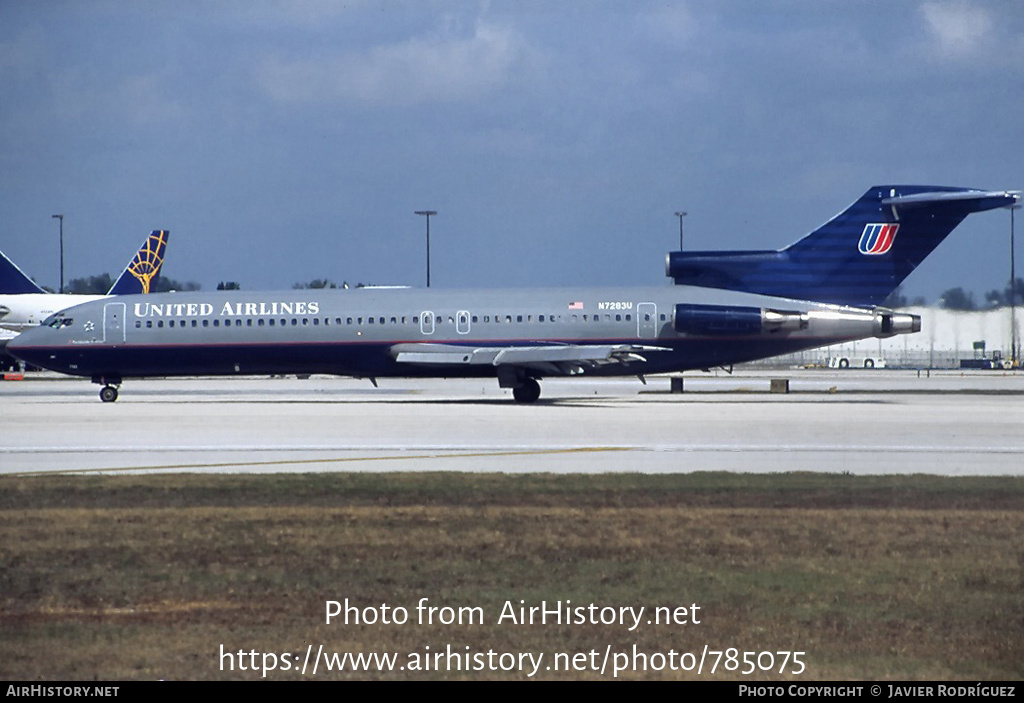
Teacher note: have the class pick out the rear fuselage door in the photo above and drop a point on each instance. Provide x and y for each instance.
(646, 320)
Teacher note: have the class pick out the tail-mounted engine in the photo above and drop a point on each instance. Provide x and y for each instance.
(737, 319)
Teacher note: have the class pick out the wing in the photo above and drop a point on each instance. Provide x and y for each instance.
(552, 360)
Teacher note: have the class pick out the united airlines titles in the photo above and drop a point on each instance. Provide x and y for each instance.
(259, 309)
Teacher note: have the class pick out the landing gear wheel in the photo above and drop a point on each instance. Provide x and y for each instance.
(528, 392)
(108, 394)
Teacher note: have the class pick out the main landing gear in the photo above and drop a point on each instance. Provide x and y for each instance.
(525, 389)
(108, 394)
(527, 392)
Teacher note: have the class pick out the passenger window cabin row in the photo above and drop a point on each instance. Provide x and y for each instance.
(379, 320)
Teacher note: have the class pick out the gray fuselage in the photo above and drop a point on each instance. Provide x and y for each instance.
(373, 332)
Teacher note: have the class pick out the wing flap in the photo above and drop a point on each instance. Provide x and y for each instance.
(554, 359)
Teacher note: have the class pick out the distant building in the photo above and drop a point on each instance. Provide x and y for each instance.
(946, 337)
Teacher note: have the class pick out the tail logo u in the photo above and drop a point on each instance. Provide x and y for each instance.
(877, 238)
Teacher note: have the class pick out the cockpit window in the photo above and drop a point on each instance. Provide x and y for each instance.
(57, 321)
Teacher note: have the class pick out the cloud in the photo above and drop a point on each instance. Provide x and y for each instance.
(958, 27)
(437, 68)
(672, 25)
(144, 101)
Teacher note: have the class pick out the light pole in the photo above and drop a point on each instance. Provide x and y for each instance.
(427, 214)
(61, 218)
(1013, 294)
(680, 214)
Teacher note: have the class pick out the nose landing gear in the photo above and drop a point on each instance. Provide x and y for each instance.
(108, 394)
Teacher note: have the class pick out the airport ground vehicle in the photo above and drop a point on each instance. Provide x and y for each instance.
(856, 362)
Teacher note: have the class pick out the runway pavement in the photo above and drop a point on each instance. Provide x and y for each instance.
(861, 422)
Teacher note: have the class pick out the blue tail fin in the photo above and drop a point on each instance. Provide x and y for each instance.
(142, 271)
(13, 280)
(856, 258)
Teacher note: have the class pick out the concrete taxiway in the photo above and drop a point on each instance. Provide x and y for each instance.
(860, 422)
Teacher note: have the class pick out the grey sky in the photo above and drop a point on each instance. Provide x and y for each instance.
(281, 142)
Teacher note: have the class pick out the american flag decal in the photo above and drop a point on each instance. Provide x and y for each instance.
(877, 238)
(576, 305)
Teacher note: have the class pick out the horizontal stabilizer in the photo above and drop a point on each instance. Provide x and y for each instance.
(984, 199)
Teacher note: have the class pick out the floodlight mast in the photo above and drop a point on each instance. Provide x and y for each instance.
(427, 213)
(1014, 358)
(61, 218)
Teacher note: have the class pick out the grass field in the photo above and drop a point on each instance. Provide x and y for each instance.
(149, 577)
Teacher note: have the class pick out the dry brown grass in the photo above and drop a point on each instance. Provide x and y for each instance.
(146, 577)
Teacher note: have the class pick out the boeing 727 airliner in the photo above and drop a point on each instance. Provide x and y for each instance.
(725, 308)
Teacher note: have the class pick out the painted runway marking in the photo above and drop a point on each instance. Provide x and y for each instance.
(468, 452)
(520, 449)
(283, 462)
